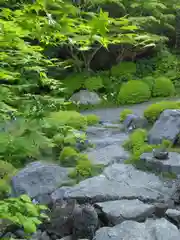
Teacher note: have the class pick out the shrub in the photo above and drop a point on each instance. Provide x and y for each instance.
(68, 157)
(94, 83)
(163, 87)
(123, 68)
(92, 119)
(153, 111)
(67, 118)
(74, 82)
(134, 91)
(124, 114)
(149, 80)
(85, 169)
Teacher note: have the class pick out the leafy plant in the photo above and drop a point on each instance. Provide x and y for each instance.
(22, 212)
(124, 114)
(134, 91)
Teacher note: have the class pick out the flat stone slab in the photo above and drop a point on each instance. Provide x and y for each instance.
(108, 155)
(104, 141)
(121, 181)
(121, 210)
(159, 229)
(170, 165)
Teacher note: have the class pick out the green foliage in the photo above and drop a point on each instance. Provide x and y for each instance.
(123, 68)
(4, 188)
(85, 169)
(166, 144)
(134, 91)
(163, 87)
(22, 212)
(68, 157)
(67, 118)
(124, 114)
(93, 83)
(149, 80)
(6, 169)
(92, 119)
(153, 111)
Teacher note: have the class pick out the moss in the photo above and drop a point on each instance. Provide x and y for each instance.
(169, 175)
(134, 91)
(163, 87)
(124, 114)
(68, 157)
(85, 169)
(153, 111)
(93, 83)
(92, 119)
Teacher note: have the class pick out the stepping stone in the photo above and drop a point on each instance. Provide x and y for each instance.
(159, 229)
(108, 155)
(121, 181)
(171, 165)
(121, 210)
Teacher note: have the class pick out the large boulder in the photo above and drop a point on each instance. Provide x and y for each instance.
(39, 178)
(166, 127)
(121, 181)
(86, 97)
(159, 229)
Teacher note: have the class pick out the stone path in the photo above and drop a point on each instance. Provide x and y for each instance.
(112, 114)
(131, 204)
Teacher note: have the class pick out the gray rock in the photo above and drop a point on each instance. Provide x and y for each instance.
(174, 215)
(61, 223)
(160, 209)
(160, 154)
(159, 229)
(133, 121)
(38, 178)
(109, 140)
(58, 194)
(166, 127)
(172, 164)
(86, 97)
(121, 181)
(85, 221)
(121, 210)
(40, 236)
(108, 155)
